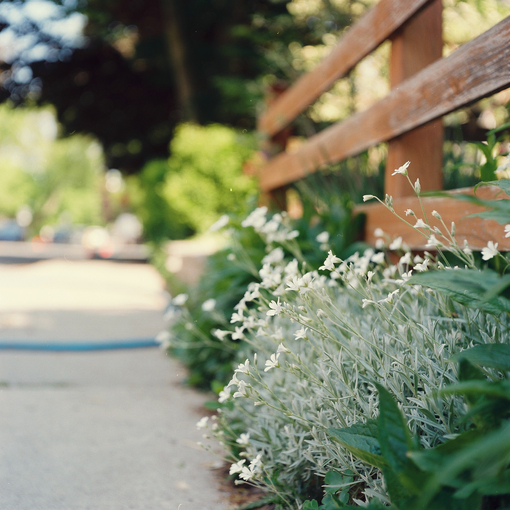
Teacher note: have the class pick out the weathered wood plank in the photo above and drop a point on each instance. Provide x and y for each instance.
(368, 33)
(423, 145)
(476, 231)
(477, 69)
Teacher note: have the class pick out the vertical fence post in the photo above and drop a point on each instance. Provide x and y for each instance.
(415, 45)
(274, 145)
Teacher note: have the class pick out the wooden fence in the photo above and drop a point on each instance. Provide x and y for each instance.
(424, 87)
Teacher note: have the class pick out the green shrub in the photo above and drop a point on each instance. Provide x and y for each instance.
(54, 177)
(353, 368)
(325, 224)
(201, 180)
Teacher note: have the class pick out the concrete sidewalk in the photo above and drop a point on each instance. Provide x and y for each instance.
(96, 430)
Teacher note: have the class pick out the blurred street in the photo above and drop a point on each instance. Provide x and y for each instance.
(96, 430)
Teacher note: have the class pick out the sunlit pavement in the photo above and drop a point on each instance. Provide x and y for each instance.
(95, 430)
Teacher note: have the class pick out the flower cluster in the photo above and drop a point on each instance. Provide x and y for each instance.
(320, 339)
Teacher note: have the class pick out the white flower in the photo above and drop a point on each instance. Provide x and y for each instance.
(272, 362)
(367, 197)
(433, 242)
(256, 461)
(420, 224)
(231, 257)
(222, 222)
(241, 390)
(323, 237)
(507, 230)
(291, 268)
(405, 259)
(271, 276)
(378, 258)
(233, 381)
(275, 256)
(180, 299)
(256, 219)
(237, 467)
(238, 334)
(244, 368)
(250, 322)
(330, 260)
(378, 232)
(243, 439)
(417, 186)
(436, 215)
(422, 266)
(292, 235)
(270, 227)
(252, 293)
(402, 170)
(467, 250)
(294, 283)
(407, 276)
(202, 424)
(490, 251)
(221, 334)
(237, 316)
(409, 212)
(396, 244)
(208, 306)
(379, 243)
(366, 302)
(276, 308)
(224, 395)
(282, 348)
(247, 473)
(300, 333)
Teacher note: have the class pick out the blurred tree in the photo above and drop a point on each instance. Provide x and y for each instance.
(58, 179)
(143, 66)
(146, 65)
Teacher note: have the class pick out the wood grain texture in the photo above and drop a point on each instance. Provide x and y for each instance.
(477, 69)
(415, 45)
(368, 33)
(476, 231)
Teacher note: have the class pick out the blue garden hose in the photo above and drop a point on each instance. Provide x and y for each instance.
(23, 345)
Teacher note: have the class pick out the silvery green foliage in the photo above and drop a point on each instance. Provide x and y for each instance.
(320, 341)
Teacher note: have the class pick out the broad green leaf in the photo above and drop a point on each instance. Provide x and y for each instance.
(396, 444)
(493, 447)
(487, 486)
(468, 372)
(399, 495)
(331, 502)
(502, 184)
(434, 458)
(488, 355)
(466, 286)
(394, 436)
(501, 216)
(479, 388)
(334, 481)
(361, 440)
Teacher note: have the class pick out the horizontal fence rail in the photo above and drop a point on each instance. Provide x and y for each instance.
(474, 230)
(475, 70)
(364, 37)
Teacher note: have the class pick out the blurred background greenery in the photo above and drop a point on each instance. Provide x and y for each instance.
(150, 108)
